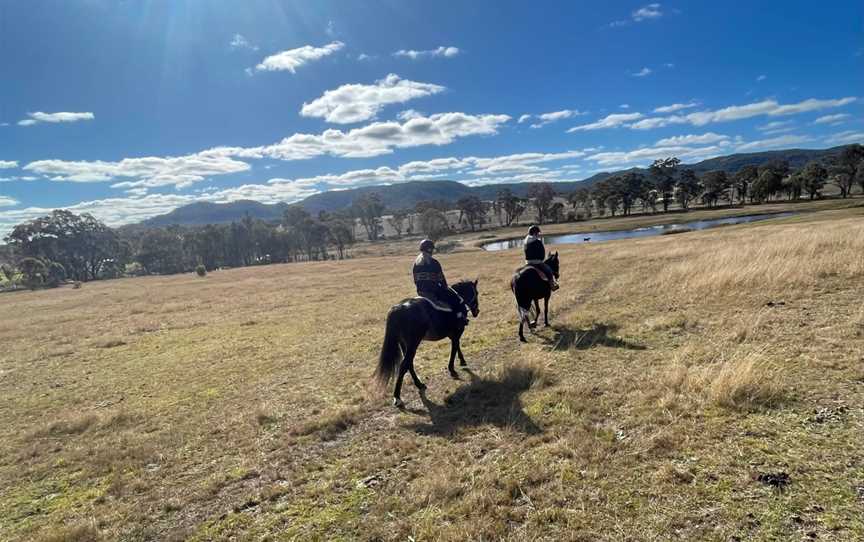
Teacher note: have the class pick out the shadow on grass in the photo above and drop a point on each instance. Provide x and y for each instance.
(566, 338)
(482, 402)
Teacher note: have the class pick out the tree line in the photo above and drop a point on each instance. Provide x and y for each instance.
(64, 246)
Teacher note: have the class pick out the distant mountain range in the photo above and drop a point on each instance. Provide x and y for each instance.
(406, 195)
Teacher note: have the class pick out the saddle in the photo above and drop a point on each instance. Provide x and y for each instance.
(435, 304)
(540, 273)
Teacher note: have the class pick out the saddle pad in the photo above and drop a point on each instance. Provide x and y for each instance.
(441, 308)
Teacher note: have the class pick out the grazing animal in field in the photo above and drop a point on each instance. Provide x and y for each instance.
(419, 319)
(529, 286)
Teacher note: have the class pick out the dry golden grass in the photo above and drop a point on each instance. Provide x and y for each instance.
(241, 406)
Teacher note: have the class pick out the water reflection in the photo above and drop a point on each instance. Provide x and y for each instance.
(650, 231)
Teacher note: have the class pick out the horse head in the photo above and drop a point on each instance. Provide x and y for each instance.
(467, 289)
(553, 263)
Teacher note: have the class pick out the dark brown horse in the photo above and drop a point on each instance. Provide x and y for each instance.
(528, 285)
(418, 319)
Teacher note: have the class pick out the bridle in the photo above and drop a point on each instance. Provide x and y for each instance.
(472, 303)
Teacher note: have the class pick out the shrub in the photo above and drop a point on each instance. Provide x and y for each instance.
(34, 272)
(201, 270)
(56, 273)
(135, 269)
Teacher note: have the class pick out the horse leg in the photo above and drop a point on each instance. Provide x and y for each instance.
(462, 362)
(420, 385)
(536, 314)
(521, 326)
(454, 347)
(407, 360)
(545, 310)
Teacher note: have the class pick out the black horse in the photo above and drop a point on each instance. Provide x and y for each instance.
(528, 286)
(417, 319)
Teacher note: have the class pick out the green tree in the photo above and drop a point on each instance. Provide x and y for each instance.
(80, 243)
(433, 224)
(847, 167)
(473, 210)
(815, 176)
(368, 208)
(511, 205)
(397, 221)
(771, 175)
(742, 180)
(541, 196)
(717, 186)
(662, 172)
(688, 187)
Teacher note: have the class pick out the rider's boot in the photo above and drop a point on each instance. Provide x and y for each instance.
(553, 283)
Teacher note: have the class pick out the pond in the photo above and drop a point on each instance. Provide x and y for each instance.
(649, 231)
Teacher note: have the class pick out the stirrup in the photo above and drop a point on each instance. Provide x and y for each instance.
(554, 285)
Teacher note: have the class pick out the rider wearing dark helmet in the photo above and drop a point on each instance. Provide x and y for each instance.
(535, 254)
(430, 281)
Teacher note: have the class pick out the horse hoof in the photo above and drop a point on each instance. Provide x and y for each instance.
(398, 403)
(523, 339)
(454, 375)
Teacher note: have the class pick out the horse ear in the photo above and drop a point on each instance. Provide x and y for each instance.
(476, 281)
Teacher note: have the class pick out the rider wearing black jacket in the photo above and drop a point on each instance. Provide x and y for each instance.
(431, 283)
(535, 254)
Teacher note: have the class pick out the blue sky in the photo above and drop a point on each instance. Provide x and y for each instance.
(128, 109)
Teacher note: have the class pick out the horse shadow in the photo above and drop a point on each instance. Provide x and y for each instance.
(565, 338)
(481, 402)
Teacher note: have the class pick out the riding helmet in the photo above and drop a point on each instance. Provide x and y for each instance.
(534, 230)
(427, 245)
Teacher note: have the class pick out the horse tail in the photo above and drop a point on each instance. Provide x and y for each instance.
(390, 351)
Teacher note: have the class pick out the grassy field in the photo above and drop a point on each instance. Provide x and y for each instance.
(702, 386)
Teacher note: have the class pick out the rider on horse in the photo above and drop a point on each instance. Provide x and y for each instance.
(431, 284)
(535, 253)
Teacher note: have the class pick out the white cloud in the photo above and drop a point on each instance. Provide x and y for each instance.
(775, 125)
(524, 118)
(675, 107)
(555, 116)
(692, 139)
(239, 42)
(8, 164)
(364, 56)
(762, 78)
(646, 155)
(372, 140)
(442, 51)
(17, 178)
(610, 121)
(651, 11)
(624, 106)
(409, 114)
(292, 59)
(844, 138)
(356, 102)
(832, 119)
(773, 143)
(63, 116)
(769, 108)
(6, 201)
(642, 73)
(180, 171)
